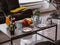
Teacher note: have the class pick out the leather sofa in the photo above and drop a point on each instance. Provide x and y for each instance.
(7, 5)
(18, 16)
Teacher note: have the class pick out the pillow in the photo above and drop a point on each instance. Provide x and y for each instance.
(18, 9)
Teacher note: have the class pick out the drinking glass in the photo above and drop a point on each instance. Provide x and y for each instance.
(19, 25)
(34, 20)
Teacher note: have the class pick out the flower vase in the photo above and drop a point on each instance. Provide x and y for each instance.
(38, 20)
(12, 32)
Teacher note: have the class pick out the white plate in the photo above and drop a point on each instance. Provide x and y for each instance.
(41, 25)
(27, 29)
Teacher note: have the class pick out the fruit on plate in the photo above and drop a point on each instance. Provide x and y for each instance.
(27, 21)
(24, 21)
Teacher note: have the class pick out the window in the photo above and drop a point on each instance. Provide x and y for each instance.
(27, 1)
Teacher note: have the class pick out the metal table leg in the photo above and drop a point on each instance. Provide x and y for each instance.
(11, 42)
(36, 37)
(56, 34)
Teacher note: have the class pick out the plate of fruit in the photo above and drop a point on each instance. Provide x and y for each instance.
(26, 22)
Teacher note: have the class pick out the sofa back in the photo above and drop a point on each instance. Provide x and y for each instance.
(7, 5)
(12, 4)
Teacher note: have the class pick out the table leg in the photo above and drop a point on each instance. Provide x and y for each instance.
(11, 42)
(36, 37)
(56, 34)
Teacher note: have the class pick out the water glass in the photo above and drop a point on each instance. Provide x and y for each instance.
(39, 20)
(19, 25)
(34, 19)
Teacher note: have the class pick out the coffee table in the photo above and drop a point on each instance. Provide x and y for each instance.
(20, 34)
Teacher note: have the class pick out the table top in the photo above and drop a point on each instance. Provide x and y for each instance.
(17, 32)
(20, 33)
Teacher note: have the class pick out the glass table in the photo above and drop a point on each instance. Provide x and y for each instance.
(20, 34)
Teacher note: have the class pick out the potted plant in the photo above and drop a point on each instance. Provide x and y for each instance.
(11, 27)
(36, 12)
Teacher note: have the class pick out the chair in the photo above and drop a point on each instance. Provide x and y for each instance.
(57, 2)
(48, 43)
(3, 38)
(7, 5)
(56, 13)
(45, 43)
(57, 42)
(14, 4)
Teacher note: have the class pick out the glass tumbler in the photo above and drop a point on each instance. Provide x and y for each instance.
(34, 20)
(19, 25)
